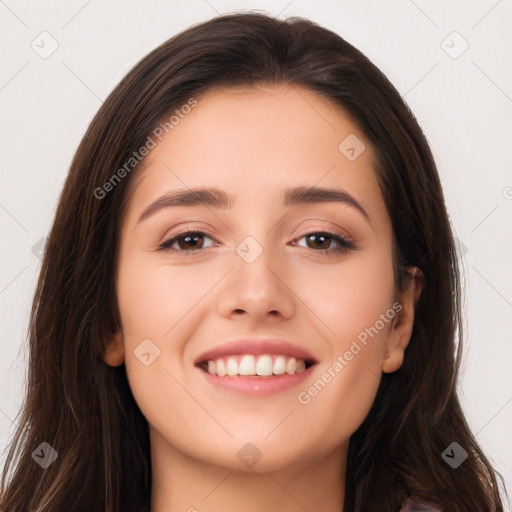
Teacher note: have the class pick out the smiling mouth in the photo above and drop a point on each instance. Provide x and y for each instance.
(249, 365)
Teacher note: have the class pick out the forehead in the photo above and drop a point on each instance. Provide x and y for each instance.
(257, 141)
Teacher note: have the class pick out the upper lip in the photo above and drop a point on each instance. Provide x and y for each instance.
(257, 346)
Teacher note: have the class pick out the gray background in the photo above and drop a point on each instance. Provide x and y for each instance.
(462, 99)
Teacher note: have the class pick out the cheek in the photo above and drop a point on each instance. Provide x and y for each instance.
(154, 297)
(351, 297)
(163, 304)
(355, 303)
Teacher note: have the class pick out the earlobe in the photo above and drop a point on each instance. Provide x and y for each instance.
(114, 351)
(393, 361)
(403, 323)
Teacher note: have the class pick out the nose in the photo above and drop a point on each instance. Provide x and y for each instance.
(260, 290)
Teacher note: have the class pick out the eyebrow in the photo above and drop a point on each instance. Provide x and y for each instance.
(216, 198)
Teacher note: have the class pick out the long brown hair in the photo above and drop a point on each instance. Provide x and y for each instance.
(84, 409)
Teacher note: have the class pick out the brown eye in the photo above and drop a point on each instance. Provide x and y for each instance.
(188, 241)
(322, 242)
(318, 241)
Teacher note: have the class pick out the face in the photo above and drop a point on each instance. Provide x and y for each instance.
(272, 319)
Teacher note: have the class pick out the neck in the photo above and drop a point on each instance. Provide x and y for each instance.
(183, 483)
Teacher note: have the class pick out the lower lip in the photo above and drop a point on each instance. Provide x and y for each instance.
(258, 386)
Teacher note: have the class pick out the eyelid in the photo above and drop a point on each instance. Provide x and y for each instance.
(333, 232)
(346, 243)
(166, 244)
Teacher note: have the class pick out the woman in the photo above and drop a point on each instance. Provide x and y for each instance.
(249, 297)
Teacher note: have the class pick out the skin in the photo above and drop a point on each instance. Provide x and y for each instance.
(254, 143)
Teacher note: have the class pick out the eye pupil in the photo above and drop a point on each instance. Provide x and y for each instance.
(320, 237)
(187, 239)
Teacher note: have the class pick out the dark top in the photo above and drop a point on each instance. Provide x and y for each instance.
(410, 505)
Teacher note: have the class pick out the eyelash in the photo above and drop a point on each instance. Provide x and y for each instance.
(345, 244)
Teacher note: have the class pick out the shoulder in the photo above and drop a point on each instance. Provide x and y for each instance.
(410, 505)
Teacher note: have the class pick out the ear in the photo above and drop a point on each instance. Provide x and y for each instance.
(401, 328)
(114, 352)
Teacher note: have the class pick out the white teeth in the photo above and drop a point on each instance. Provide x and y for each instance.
(291, 366)
(247, 365)
(232, 367)
(279, 365)
(220, 367)
(264, 365)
